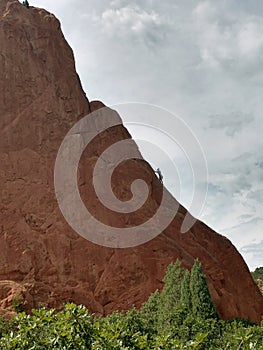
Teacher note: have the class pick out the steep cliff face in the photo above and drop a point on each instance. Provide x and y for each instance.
(41, 257)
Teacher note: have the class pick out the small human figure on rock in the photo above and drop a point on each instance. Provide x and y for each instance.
(160, 175)
(26, 3)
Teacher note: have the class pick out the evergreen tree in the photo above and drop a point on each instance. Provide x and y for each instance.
(169, 309)
(149, 313)
(171, 292)
(186, 300)
(258, 273)
(202, 304)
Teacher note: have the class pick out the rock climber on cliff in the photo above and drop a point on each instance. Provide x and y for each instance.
(26, 3)
(160, 175)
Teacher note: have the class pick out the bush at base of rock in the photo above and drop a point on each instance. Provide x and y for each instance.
(185, 326)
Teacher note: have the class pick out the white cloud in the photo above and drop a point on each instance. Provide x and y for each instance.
(224, 39)
(127, 19)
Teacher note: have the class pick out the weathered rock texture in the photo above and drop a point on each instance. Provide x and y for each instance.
(41, 258)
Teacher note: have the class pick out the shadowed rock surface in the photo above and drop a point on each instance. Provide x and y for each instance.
(41, 258)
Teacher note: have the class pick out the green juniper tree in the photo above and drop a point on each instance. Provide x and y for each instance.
(258, 273)
(186, 299)
(149, 313)
(202, 304)
(170, 312)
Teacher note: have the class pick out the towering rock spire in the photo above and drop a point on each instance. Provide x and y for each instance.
(41, 257)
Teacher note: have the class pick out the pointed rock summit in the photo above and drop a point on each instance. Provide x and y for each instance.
(42, 259)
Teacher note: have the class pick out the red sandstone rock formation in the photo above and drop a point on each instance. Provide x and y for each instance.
(41, 258)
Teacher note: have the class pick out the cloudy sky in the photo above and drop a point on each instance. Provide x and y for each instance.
(202, 61)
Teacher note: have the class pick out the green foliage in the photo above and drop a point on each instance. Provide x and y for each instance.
(17, 303)
(258, 273)
(173, 309)
(189, 322)
(170, 312)
(258, 278)
(201, 300)
(149, 313)
(120, 331)
(68, 329)
(186, 298)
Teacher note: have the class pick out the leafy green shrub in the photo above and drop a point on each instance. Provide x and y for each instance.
(17, 303)
(181, 316)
